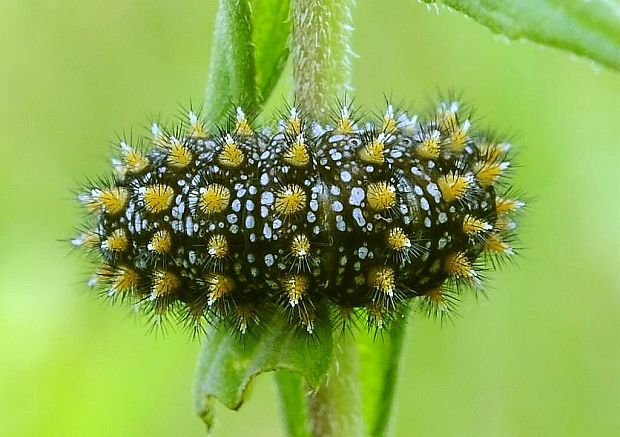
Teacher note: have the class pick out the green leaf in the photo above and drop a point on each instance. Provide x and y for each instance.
(379, 362)
(271, 31)
(293, 396)
(589, 28)
(227, 364)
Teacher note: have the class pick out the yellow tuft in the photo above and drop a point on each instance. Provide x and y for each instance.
(214, 198)
(231, 155)
(436, 296)
(157, 198)
(295, 287)
(217, 246)
(453, 186)
(397, 240)
(381, 196)
(504, 224)
(290, 199)
(345, 125)
(489, 172)
(135, 162)
(117, 241)
(297, 155)
(382, 279)
(374, 151)
(507, 206)
(446, 114)
(242, 127)
(457, 264)
(458, 137)
(87, 239)
(496, 244)
(111, 200)
(474, 226)
(164, 282)
(159, 137)
(439, 304)
(293, 126)
(161, 242)
(245, 315)
(180, 156)
(430, 148)
(300, 247)
(376, 315)
(121, 278)
(218, 286)
(389, 122)
(493, 152)
(198, 127)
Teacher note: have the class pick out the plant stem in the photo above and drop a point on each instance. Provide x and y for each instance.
(232, 73)
(321, 52)
(336, 405)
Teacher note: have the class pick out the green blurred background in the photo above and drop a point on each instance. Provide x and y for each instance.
(541, 358)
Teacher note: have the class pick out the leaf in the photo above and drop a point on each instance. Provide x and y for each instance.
(227, 364)
(293, 396)
(379, 362)
(588, 28)
(271, 31)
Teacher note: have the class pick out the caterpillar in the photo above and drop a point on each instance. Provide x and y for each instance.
(363, 216)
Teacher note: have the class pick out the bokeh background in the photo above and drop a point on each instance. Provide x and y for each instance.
(542, 357)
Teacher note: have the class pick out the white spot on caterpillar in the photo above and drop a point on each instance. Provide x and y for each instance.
(266, 198)
(433, 190)
(357, 196)
(337, 206)
(358, 215)
(269, 260)
(345, 176)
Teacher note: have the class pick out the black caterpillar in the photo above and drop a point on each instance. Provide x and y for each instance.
(232, 225)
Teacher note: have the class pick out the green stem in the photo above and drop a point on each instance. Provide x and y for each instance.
(321, 52)
(232, 72)
(380, 361)
(292, 391)
(336, 405)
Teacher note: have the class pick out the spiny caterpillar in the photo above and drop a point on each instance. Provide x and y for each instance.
(232, 225)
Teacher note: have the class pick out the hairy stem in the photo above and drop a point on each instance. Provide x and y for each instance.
(321, 52)
(336, 406)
